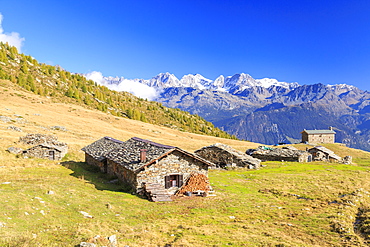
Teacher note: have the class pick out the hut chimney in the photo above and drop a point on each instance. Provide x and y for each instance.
(142, 155)
(331, 128)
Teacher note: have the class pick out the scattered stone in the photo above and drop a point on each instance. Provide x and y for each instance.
(87, 215)
(42, 212)
(15, 128)
(15, 150)
(61, 128)
(113, 241)
(5, 119)
(85, 244)
(347, 160)
(38, 198)
(26, 213)
(50, 192)
(232, 217)
(2, 224)
(21, 120)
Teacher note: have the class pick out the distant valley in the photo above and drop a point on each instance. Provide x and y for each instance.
(266, 110)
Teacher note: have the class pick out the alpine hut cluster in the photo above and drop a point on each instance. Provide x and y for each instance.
(143, 164)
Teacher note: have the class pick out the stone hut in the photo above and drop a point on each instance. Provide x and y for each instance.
(46, 151)
(223, 155)
(318, 136)
(45, 147)
(288, 153)
(139, 163)
(320, 153)
(95, 152)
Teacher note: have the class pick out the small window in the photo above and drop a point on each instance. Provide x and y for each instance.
(173, 181)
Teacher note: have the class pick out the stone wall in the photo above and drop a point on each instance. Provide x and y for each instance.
(126, 176)
(93, 162)
(318, 138)
(42, 152)
(174, 164)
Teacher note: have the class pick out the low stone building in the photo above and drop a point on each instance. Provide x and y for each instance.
(223, 155)
(95, 152)
(288, 153)
(45, 147)
(320, 153)
(318, 136)
(46, 151)
(140, 163)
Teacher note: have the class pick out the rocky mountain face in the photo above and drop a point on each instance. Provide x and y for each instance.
(269, 111)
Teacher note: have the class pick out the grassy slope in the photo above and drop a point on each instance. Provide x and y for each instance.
(252, 208)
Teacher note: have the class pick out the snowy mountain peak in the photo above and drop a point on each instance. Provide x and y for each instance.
(267, 82)
(164, 80)
(195, 81)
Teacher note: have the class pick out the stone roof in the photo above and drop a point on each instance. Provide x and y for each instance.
(281, 152)
(327, 151)
(101, 147)
(60, 148)
(224, 147)
(239, 156)
(36, 139)
(288, 153)
(317, 132)
(127, 153)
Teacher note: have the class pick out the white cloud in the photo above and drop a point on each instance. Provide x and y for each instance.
(97, 77)
(12, 38)
(136, 88)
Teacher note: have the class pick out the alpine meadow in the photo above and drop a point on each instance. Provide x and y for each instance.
(70, 203)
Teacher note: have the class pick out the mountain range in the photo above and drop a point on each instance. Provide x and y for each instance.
(266, 110)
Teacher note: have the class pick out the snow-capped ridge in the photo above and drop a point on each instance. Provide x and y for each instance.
(234, 84)
(268, 82)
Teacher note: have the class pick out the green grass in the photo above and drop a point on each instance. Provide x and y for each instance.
(252, 207)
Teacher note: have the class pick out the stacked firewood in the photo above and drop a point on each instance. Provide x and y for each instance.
(196, 182)
(156, 193)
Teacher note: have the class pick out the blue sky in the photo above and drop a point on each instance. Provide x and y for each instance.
(306, 41)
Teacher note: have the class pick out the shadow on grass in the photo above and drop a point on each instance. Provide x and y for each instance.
(101, 181)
